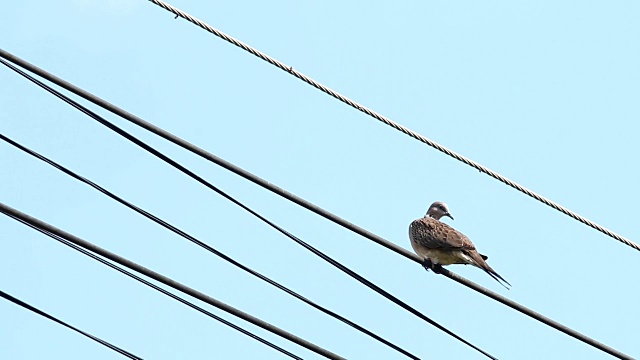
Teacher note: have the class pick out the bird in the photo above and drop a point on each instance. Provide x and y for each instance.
(440, 244)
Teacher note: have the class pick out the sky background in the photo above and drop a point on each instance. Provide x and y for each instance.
(545, 93)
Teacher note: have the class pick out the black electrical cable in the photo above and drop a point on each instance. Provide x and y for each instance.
(53, 318)
(325, 257)
(16, 214)
(204, 245)
(306, 204)
(156, 287)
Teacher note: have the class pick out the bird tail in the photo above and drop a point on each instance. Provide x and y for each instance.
(479, 262)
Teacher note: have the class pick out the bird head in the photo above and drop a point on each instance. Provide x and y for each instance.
(437, 210)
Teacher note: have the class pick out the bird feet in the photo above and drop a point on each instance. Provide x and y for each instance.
(427, 264)
(437, 268)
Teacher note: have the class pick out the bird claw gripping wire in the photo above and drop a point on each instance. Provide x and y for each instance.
(427, 264)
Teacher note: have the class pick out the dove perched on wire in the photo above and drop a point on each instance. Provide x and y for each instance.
(440, 244)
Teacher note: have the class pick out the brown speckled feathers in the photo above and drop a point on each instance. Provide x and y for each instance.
(434, 234)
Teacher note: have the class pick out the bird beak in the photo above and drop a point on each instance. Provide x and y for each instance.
(449, 215)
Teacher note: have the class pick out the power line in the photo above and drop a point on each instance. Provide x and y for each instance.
(322, 212)
(308, 205)
(387, 121)
(194, 176)
(16, 214)
(54, 319)
(204, 245)
(156, 287)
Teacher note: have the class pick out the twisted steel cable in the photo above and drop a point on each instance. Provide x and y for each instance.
(387, 121)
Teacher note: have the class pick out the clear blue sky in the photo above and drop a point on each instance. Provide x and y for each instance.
(545, 93)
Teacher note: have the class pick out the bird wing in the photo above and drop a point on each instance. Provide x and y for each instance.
(434, 234)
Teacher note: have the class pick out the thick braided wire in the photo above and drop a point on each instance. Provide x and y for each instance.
(375, 115)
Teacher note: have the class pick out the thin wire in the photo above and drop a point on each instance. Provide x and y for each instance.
(53, 318)
(156, 287)
(14, 213)
(203, 245)
(306, 204)
(194, 176)
(393, 124)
